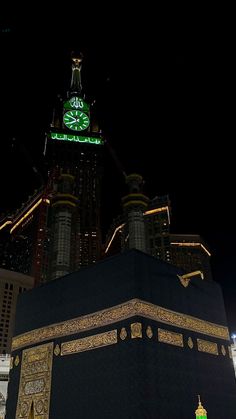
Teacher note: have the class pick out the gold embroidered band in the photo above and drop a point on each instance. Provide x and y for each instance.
(166, 336)
(118, 313)
(88, 343)
(208, 347)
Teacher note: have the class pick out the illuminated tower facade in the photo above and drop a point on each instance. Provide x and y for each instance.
(134, 205)
(74, 146)
(58, 230)
(11, 285)
(146, 222)
(157, 224)
(25, 239)
(154, 221)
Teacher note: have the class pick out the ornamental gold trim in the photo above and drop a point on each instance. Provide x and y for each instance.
(123, 333)
(35, 382)
(190, 343)
(183, 321)
(118, 313)
(136, 330)
(172, 338)
(90, 342)
(17, 361)
(149, 332)
(57, 350)
(185, 279)
(208, 347)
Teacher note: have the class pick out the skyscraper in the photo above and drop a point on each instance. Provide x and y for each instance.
(74, 145)
(4, 375)
(59, 227)
(134, 205)
(145, 225)
(11, 285)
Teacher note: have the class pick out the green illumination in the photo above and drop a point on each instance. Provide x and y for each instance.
(76, 120)
(76, 102)
(201, 413)
(76, 138)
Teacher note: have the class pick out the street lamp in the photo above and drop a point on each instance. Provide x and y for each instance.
(233, 336)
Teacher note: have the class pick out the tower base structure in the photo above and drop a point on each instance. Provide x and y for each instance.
(121, 339)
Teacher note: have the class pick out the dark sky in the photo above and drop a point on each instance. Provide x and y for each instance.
(165, 101)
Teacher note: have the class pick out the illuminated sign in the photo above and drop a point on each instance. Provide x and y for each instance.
(76, 138)
(76, 103)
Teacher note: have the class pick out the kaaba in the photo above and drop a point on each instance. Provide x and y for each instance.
(129, 337)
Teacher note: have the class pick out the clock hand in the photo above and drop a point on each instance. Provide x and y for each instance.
(71, 119)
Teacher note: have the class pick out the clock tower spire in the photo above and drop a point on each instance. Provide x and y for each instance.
(76, 85)
(75, 146)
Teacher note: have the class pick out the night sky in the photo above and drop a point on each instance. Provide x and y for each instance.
(165, 103)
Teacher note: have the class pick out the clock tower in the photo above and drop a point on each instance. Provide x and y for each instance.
(74, 147)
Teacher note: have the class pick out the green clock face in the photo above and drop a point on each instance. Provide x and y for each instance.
(76, 120)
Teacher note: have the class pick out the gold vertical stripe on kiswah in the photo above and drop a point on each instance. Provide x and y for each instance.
(172, 338)
(35, 382)
(118, 313)
(208, 347)
(90, 342)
